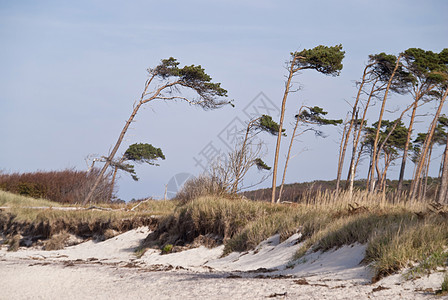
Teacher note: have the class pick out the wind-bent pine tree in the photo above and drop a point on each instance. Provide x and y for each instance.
(442, 196)
(377, 74)
(348, 130)
(385, 66)
(138, 153)
(426, 144)
(169, 80)
(323, 59)
(390, 142)
(307, 116)
(439, 138)
(423, 68)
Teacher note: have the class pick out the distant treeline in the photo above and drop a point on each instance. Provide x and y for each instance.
(67, 186)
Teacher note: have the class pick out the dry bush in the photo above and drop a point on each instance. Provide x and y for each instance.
(57, 241)
(203, 185)
(67, 186)
(14, 242)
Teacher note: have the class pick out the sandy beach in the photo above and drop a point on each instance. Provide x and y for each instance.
(110, 270)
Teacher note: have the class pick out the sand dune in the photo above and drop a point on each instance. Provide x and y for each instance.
(110, 270)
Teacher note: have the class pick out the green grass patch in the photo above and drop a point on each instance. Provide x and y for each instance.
(14, 200)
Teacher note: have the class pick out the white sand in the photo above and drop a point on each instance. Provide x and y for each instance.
(110, 270)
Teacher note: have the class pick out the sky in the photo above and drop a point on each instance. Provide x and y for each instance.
(71, 71)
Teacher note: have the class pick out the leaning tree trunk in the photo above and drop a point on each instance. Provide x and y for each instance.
(352, 165)
(112, 154)
(358, 135)
(112, 183)
(239, 166)
(375, 144)
(280, 128)
(347, 134)
(425, 186)
(341, 146)
(428, 139)
(123, 132)
(406, 148)
(442, 196)
(287, 158)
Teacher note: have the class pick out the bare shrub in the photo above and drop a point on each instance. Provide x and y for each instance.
(57, 241)
(14, 242)
(67, 186)
(203, 185)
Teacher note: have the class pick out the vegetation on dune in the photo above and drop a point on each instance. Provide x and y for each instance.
(66, 186)
(397, 235)
(21, 219)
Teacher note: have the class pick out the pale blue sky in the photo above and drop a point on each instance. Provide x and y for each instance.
(70, 71)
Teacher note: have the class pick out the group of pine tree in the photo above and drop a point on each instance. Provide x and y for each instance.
(418, 75)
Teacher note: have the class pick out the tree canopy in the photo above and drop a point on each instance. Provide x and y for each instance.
(324, 59)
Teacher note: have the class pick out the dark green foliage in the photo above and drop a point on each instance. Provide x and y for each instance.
(383, 66)
(261, 165)
(326, 60)
(139, 153)
(193, 77)
(314, 115)
(125, 167)
(144, 153)
(267, 124)
(31, 189)
(426, 63)
(443, 120)
(395, 142)
(427, 67)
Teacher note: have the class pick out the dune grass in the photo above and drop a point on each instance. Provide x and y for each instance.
(46, 219)
(398, 234)
(13, 200)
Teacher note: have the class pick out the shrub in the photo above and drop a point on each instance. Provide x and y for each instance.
(57, 241)
(167, 249)
(14, 242)
(67, 186)
(203, 185)
(444, 289)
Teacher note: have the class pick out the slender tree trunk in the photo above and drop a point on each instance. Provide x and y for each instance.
(352, 165)
(357, 162)
(347, 135)
(280, 128)
(123, 132)
(242, 154)
(425, 187)
(341, 146)
(442, 196)
(358, 135)
(387, 161)
(112, 183)
(426, 145)
(383, 105)
(287, 158)
(406, 146)
(369, 172)
(112, 154)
